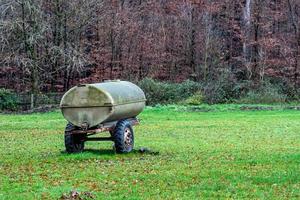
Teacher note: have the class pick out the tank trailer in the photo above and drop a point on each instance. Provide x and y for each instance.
(94, 108)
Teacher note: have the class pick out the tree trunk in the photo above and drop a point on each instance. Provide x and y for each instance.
(247, 29)
(297, 37)
(193, 44)
(207, 45)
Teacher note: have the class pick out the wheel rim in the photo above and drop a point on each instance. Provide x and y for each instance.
(78, 144)
(128, 138)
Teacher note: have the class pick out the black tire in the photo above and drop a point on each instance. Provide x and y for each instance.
(73, 143)
(123, 137)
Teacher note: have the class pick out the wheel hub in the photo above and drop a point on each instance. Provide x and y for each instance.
(128, 137)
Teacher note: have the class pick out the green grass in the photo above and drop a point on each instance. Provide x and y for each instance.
(221, 154)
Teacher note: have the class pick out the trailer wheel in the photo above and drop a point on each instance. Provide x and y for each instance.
(123, 137)
(73, 143)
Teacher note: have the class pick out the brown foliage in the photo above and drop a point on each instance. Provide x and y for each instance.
(89, 41)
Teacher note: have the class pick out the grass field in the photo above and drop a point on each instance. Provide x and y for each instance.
(222, 154)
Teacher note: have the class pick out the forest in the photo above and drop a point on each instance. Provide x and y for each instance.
(232, 46)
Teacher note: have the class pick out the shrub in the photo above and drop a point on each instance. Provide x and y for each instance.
(166, 93)
(188, 88)
(155, 92)
(43, 99)
(296, 96)
(267, 93)
(8, 100)
(196, 99)
(291, 90)
(220, 89)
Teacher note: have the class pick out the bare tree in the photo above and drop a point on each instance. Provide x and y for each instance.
(294, 14)
(23, 30)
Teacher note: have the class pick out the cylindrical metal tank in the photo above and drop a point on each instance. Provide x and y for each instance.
(93, 104)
